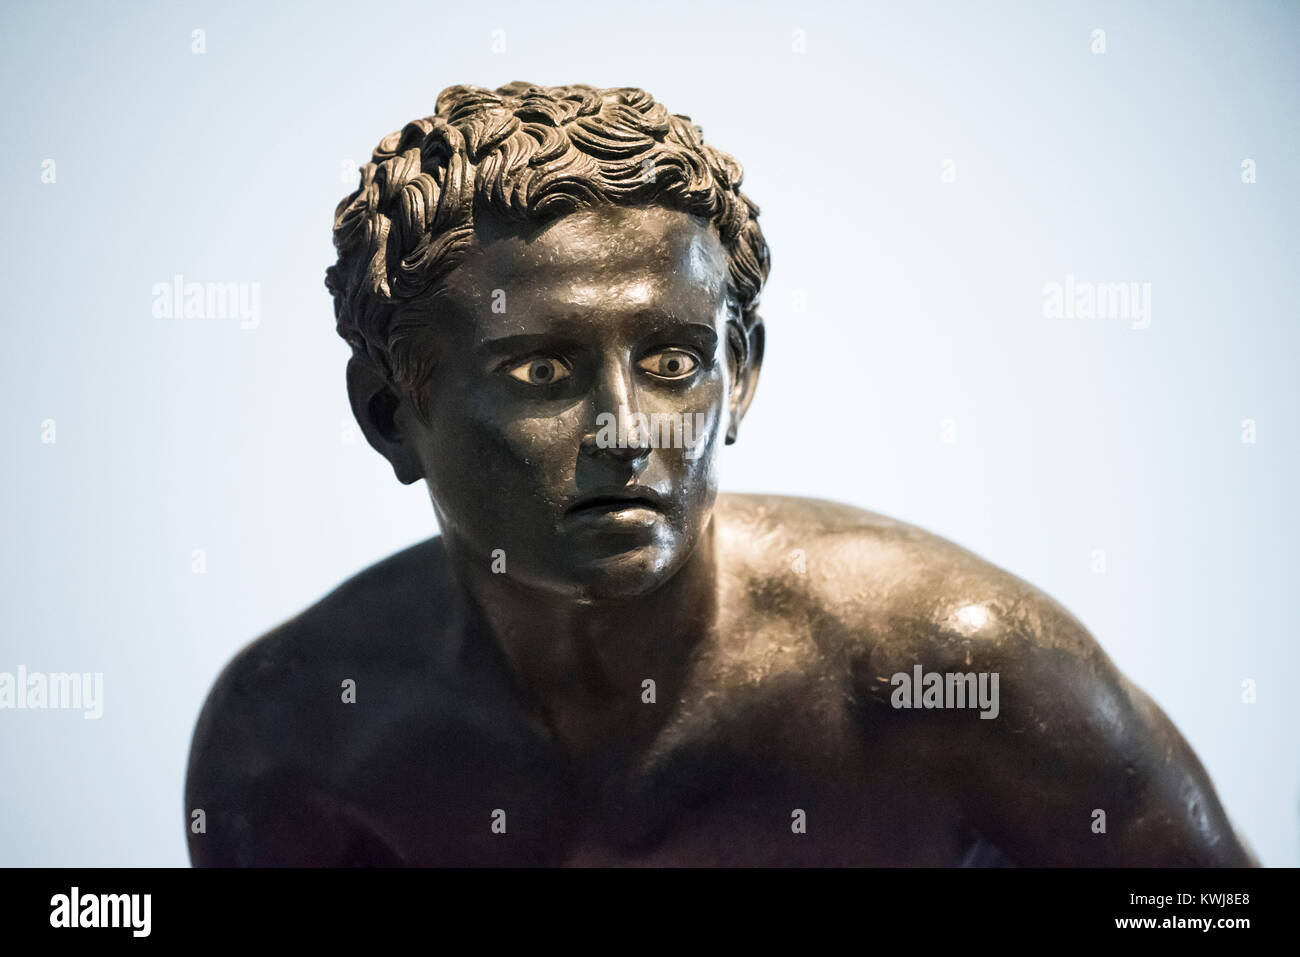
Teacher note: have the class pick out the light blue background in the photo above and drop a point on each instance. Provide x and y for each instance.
(923, 302)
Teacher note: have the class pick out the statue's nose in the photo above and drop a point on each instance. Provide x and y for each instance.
(621, 435)
(617, 429)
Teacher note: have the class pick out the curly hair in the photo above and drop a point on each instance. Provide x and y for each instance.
(527, 154)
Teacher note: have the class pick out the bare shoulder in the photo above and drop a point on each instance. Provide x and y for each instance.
(390, 610)
(887, 597)
(266, 734)
(893, 588)
(1073, 739)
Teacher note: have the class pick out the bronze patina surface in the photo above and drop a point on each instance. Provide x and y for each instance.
(602, 660)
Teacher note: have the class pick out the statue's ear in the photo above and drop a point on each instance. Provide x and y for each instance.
(375, 405)
(744, 379)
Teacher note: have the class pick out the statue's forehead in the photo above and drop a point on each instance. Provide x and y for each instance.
(639, 251)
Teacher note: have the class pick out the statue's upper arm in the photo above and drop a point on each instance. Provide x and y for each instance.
(1081, 767)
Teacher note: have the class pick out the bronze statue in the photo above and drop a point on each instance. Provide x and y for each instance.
(551, 297)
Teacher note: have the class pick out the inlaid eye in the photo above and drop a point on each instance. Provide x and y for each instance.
(540, 370)
(670, 364)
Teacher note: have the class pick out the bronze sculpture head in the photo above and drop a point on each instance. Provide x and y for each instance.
(603, 660)
(522, 263)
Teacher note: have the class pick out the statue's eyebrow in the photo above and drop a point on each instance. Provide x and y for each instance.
(699, 334)
(665, 325)
(654, 323)
(525, 342)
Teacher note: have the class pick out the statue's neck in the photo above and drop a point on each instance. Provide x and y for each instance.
(559, 647)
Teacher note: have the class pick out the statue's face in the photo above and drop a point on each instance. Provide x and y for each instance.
(545, 337)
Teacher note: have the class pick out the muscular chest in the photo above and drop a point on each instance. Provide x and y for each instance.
(753, 758)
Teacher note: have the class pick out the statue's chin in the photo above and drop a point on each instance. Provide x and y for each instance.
(627, 574)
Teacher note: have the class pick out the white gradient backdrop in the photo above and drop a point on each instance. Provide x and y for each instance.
(922, 301)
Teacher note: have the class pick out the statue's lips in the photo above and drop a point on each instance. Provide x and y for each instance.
(625, 509)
